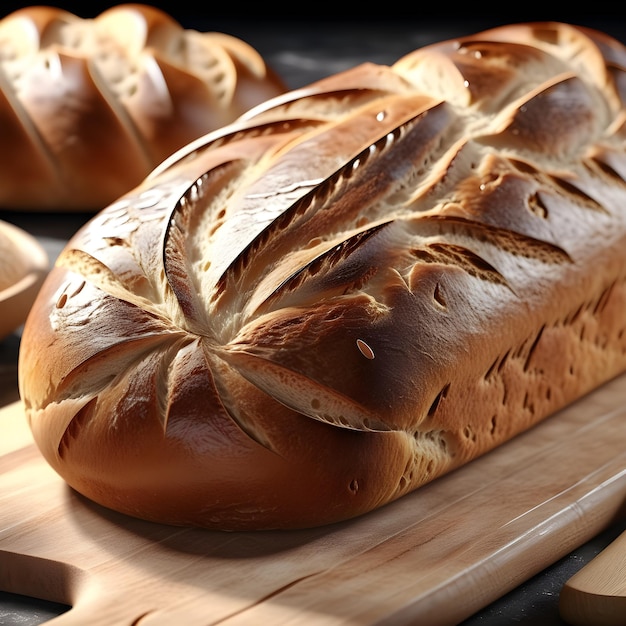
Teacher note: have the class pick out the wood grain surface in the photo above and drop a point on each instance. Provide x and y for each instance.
(434, 557)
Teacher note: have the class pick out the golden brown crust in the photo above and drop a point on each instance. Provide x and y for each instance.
(89, 106)
(353, 289)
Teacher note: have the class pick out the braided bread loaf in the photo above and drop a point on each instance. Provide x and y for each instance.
(350, 291)
(89, 106)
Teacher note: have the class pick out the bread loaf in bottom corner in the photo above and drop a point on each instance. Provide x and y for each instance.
(24, 264)
(352, 290)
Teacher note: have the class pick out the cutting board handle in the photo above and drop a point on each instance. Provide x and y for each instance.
(596, 594)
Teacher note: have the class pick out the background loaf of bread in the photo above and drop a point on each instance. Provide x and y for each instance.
(89, 106)
(353, 289)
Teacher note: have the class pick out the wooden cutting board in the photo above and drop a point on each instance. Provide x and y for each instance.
(435, 557)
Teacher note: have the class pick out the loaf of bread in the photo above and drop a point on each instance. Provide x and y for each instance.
(23, 266)
(355, 288)
(88, 107)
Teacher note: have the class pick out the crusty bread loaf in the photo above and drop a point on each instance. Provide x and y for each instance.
(88, 107)
(352, 290)
(23, 266)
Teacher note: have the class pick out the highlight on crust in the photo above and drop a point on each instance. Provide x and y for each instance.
(350, 291)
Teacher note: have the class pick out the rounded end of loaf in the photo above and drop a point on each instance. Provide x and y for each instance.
(160, 430)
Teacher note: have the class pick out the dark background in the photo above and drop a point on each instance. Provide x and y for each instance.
(360, 11)
(305, 41)
(436, 16)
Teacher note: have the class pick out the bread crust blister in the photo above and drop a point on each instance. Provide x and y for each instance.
(352, 290)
